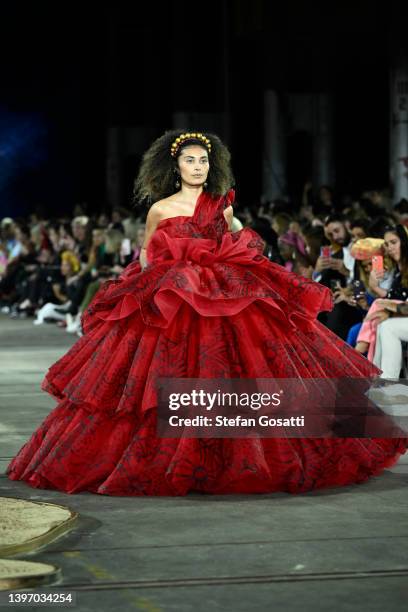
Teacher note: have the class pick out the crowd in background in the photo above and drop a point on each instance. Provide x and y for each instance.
(50, 269)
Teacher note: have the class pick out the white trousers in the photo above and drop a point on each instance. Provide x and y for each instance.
(48, 312)
(388, 350)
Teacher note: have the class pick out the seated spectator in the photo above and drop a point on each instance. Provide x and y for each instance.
(110, 265)
(358, 229)
(8, 239)
(337, 270)
(391, 332)
(290, 245)
(396, 247)
(63, 290)
(139, 240)
(15, 270)
(359, 294)
(314, 239)
(81, 232)
(281, 223)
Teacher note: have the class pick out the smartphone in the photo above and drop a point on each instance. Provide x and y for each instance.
(325, 251)
(378, 263)
(358, 289)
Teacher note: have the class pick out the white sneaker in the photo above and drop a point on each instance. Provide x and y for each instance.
(73, 323)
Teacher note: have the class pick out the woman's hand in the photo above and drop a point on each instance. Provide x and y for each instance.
(374, 283)
(72, 279)
(117, 269)
(343, 294)
(340, 295)
(381, 315)
(375, 278)
(389, 305)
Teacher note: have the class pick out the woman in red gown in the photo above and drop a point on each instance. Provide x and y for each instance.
(202, 303)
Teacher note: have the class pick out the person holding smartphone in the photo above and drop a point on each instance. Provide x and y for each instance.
(391, 333)
(396, 247)
(335, 265)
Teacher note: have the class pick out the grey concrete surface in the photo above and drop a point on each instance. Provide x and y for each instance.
(340, 549)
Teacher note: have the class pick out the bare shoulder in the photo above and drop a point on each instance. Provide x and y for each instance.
(158, 211)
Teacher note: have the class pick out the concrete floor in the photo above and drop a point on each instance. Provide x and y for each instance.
(343, 549)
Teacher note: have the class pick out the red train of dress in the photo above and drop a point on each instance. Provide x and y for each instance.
(210, 305)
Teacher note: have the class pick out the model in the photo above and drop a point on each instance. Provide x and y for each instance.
(203, 302)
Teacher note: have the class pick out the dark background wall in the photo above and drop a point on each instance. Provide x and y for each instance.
(70, 71)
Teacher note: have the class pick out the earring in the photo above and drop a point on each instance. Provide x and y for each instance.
(177, 183)
(205, 185)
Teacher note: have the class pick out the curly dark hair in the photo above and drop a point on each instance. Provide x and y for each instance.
(156, 177)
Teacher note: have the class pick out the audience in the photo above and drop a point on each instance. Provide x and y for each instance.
(50, 269)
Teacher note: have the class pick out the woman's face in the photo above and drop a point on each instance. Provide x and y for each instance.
(66, 268)
(367, 265)
(392, 245)
(103, 220)
(357, 233)
(194, 165)
(79, 231)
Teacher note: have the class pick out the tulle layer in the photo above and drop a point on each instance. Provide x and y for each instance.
(75, 451)
(102, 436)
(115, 366)
(214, 279)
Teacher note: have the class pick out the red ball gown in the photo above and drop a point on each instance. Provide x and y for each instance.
(208, 305)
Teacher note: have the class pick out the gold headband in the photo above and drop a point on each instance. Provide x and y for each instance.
(183, 137)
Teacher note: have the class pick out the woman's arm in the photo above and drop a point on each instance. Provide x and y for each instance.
(228, 214)
(154, 216)
(400, 309)
(56, 287)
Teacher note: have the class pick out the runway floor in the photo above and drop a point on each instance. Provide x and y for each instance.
(340, 549)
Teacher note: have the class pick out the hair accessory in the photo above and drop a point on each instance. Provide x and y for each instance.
(72, 259)
(365, 248)
(189, 136)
